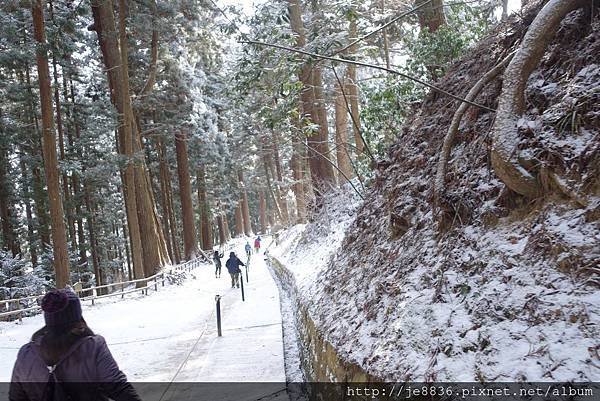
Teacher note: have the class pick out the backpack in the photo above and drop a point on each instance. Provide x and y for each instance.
(54, 390)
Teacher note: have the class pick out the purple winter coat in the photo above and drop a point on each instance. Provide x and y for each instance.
(86, 372)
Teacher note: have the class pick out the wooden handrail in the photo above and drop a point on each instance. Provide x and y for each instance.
(122, 284)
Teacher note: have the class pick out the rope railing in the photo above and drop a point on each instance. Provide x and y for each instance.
(123, 288)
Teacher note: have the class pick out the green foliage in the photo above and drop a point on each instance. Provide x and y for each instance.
(388, 103)
(427, 55)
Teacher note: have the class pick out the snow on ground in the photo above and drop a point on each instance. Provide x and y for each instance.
(496, 313)
(154, 336)
(305, 249)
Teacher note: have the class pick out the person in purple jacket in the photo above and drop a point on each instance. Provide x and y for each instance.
(65, 360)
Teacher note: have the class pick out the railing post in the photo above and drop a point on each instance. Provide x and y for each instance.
(93, 295)
(122, 290)
(242, 282)
(21, 312)
(163, 278)
(155, 283)
(218, 300)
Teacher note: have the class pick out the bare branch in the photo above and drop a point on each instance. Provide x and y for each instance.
(374, 66)
(368, 35)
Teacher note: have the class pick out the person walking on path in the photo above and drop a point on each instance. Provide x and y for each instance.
(66, 360)
(217, 259)
(248, 249)
(257, 244)
(233, 267)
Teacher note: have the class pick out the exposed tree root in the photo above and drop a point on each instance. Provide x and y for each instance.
(456, 119)
(511, 103)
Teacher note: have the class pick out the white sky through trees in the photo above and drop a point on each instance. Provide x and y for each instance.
(248, 5)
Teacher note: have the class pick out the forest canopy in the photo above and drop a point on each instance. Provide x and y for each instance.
(135, 134)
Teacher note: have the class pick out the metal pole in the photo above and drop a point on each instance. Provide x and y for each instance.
(246, 274)
(218, 299)
(242, 281)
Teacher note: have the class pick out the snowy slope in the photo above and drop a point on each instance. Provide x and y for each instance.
(305, 249)
(491, 287)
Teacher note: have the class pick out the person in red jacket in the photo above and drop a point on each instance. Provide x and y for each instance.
(66, 360)
(257, 244)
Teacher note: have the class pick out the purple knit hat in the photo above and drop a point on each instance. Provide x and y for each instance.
(61, 308)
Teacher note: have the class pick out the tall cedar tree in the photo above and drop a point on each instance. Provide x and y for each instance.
(59, 237)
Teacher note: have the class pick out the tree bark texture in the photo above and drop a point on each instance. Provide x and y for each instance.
(313, 106)
(104, 25)
(59, 237)
(511, 104)
(262, 212)
(351, 89)
(440, 177)
(341, 136)
(185, 192)
(239, 220)
(205, 221)
(431, 16)
(281, 189)
(9, 235)
(245, 207)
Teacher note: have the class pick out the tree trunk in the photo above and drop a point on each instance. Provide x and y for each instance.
(26, 194)
(245, 207)
(153, 52)
(239, 220)
(341, 136)
(127, 250)
(511, 104)
(169, 205)
(268, 173)
(164, 199)
(104, 25)
(11, 242)
(185, 191)
(322, 172)
(154, 249)
(61, 147)
(431, 16)
(41, 210)
(59, 237)
(226, 227)
(352, 92)
(262, 212)
(281, 190)
(313, 105)
(92, 233)
(75, 183)
(386, 43)
(440, 177)
(221, 225)
(298, 173)
(38, 192)
(205, 223)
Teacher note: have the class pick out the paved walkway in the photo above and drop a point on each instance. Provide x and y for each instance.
(171, 335)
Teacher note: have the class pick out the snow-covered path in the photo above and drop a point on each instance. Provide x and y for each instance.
(174, 330)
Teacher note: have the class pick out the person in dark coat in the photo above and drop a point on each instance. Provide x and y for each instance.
(66, 360)
(217, 260)
(233, 267)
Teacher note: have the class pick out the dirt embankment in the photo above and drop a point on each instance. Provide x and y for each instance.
(494, 286)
